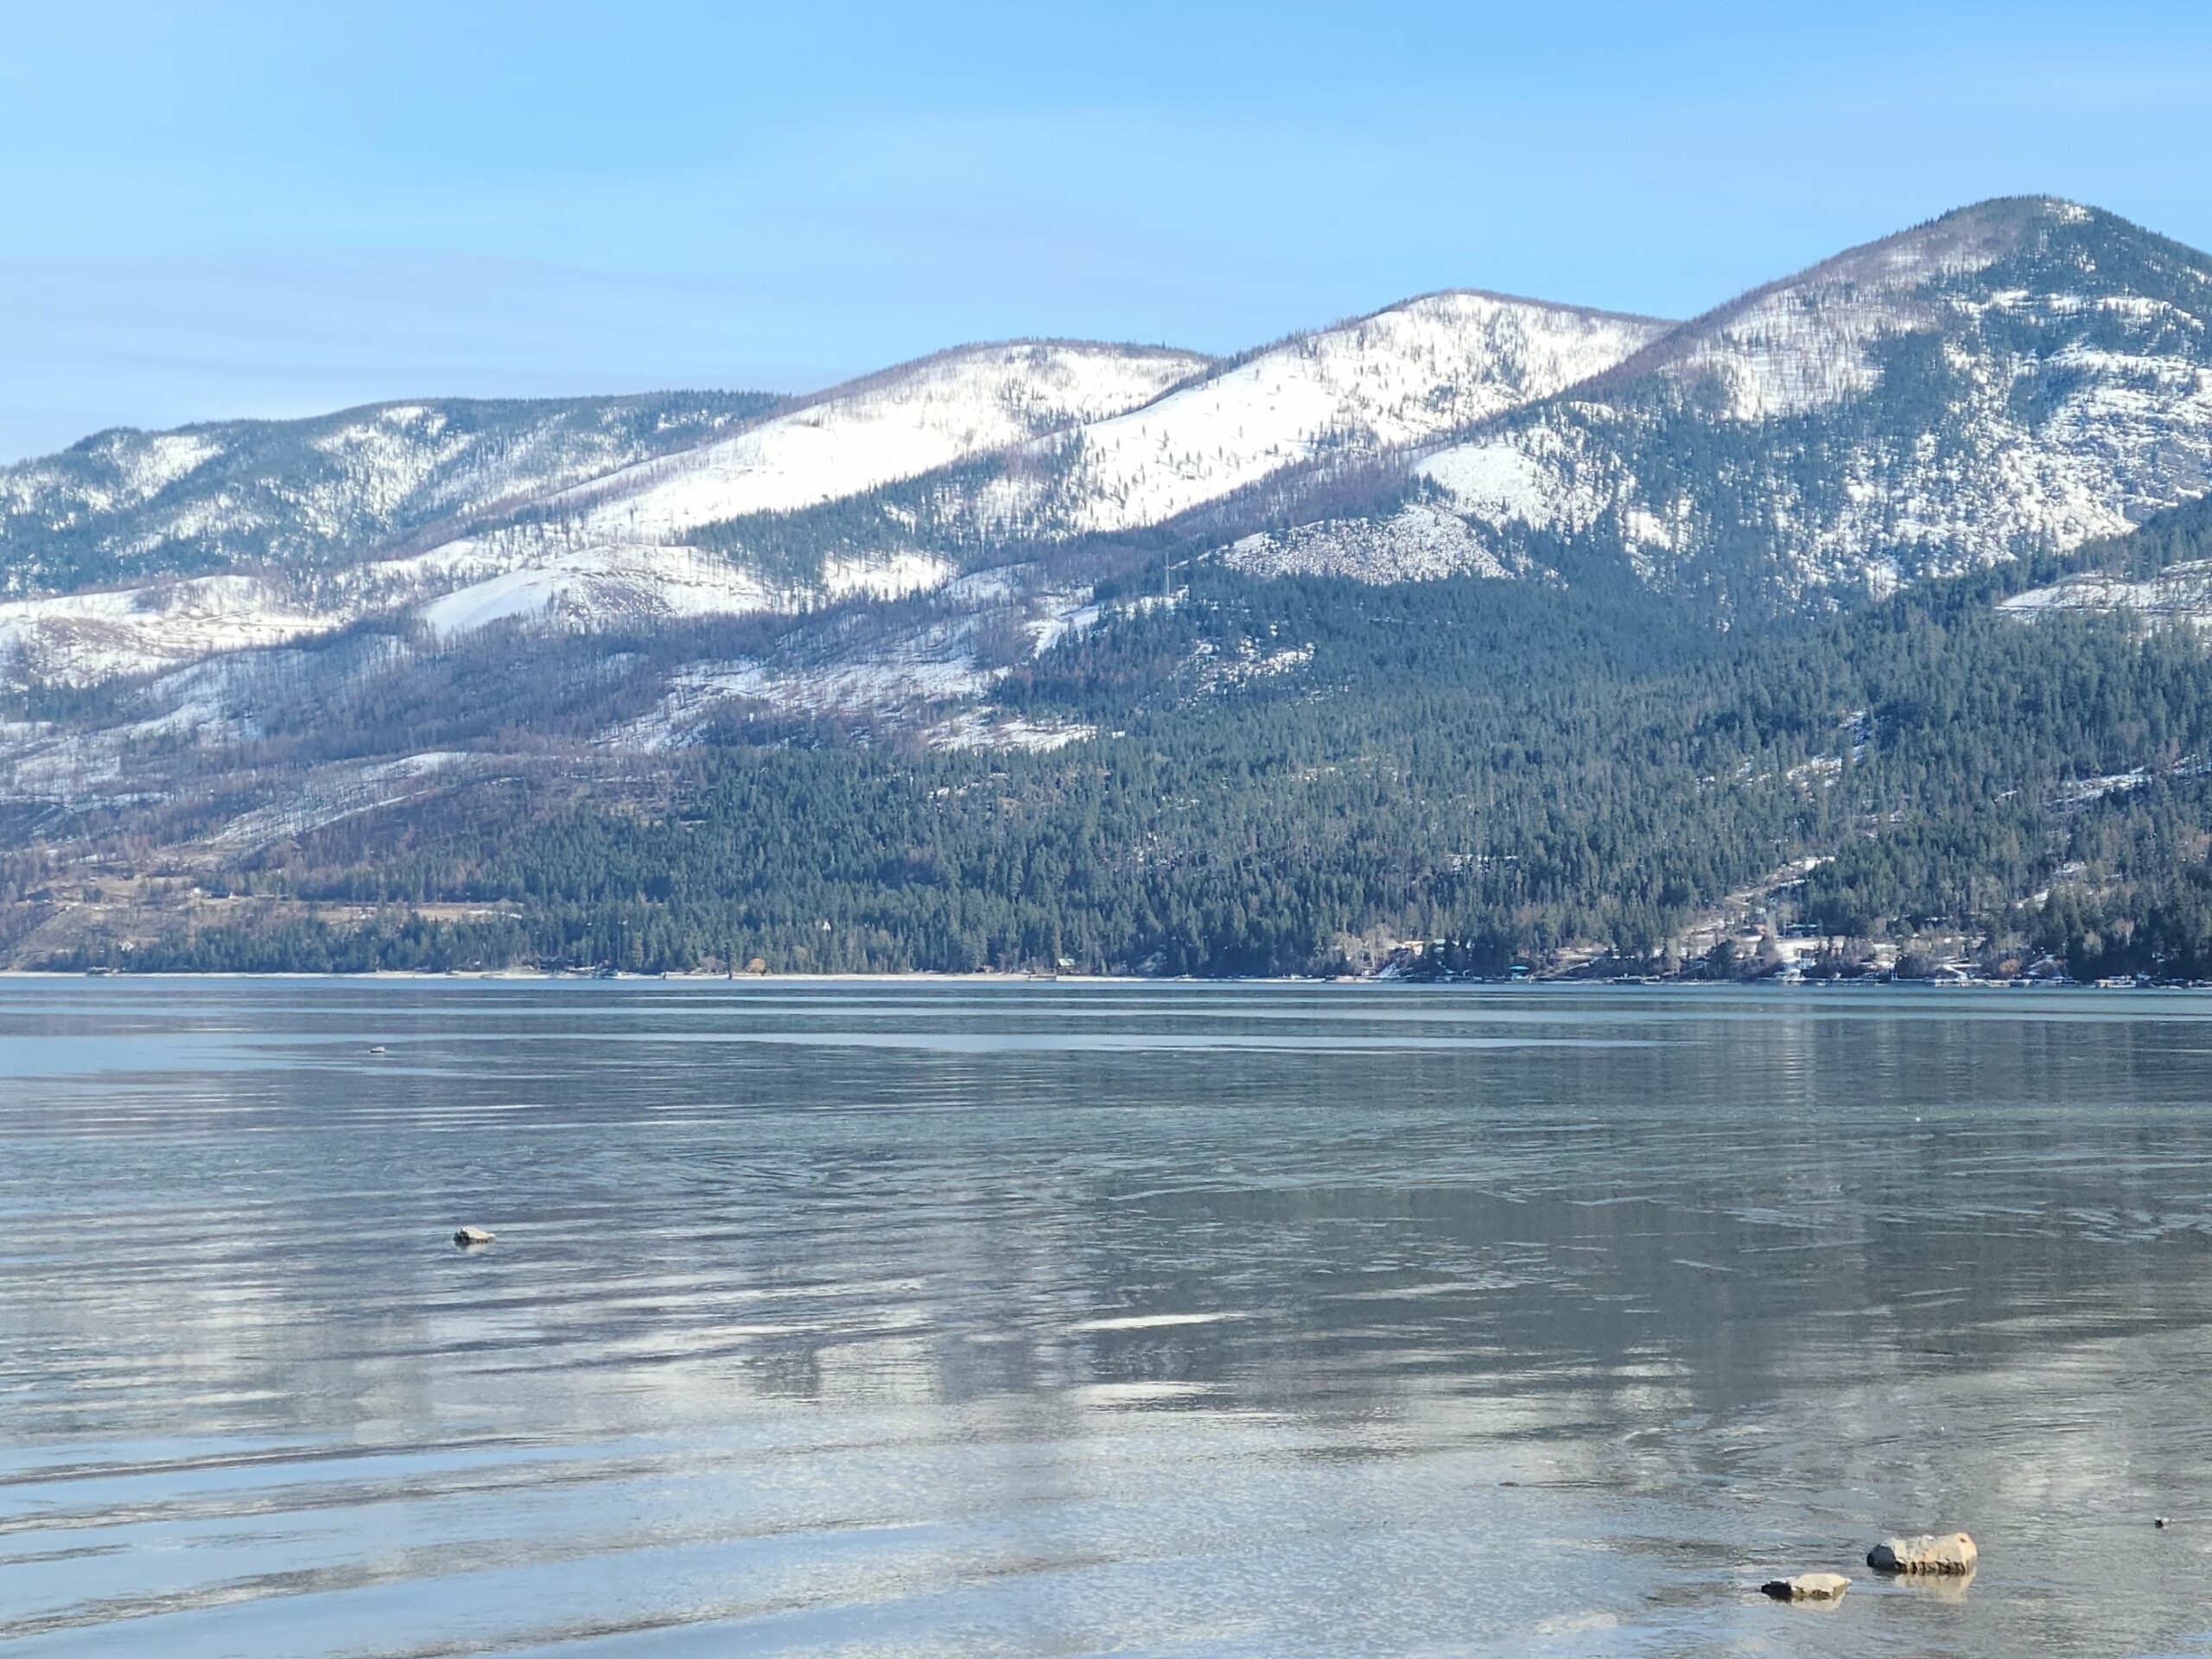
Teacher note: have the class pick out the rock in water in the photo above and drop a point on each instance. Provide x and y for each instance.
(1931, 1552)
(465, 1236)
(1808, 1586)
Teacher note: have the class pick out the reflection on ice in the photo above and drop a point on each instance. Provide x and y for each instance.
(1205, 1321)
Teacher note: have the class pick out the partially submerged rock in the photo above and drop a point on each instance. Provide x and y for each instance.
(465, 1236)
(1807, 1587)
(1927, 1552)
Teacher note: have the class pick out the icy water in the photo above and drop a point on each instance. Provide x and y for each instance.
(1060, 1320)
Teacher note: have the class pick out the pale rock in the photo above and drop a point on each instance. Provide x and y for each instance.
(1949, 1552)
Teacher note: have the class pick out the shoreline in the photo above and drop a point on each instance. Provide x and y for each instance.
(540, 976)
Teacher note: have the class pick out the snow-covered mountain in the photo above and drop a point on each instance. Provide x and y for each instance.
(557, 517)
(2015, 377)
(893, 486)
(1338, 396)
(303, 495)
(229, 652)
(890, 485)
(883, 488)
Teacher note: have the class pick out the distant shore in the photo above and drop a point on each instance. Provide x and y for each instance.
(541, 976)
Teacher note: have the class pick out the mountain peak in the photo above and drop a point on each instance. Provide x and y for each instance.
(2019, 374)
(1809, 340)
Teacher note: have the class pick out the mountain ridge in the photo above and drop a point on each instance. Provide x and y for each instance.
(292, 491)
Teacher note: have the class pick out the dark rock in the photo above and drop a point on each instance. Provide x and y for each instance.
(1807, 1587)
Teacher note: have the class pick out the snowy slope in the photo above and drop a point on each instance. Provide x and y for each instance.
(895, 425)
(87, 638)
(1404, 375)
(622, 583)
(83, 638)
(1808, 340)
(2019, 376)
(636, 582)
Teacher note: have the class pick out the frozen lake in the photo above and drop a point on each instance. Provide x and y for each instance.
(1039, 1319)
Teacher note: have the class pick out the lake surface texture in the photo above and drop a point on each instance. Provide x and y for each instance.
(949, 1321)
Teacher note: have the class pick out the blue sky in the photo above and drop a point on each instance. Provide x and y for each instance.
(272, 209)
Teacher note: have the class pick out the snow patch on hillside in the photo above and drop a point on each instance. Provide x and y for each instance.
(83, 638)
(892, 680)
(386, 459)
(1509, 479)
(1056, 617)
(991, 729)
(595, 587)
(2180, 593)
(901, 685)
(331, 794)
(892, 578)
(168, 457)
(929, 678)
(87, 638)
(1419, 542)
